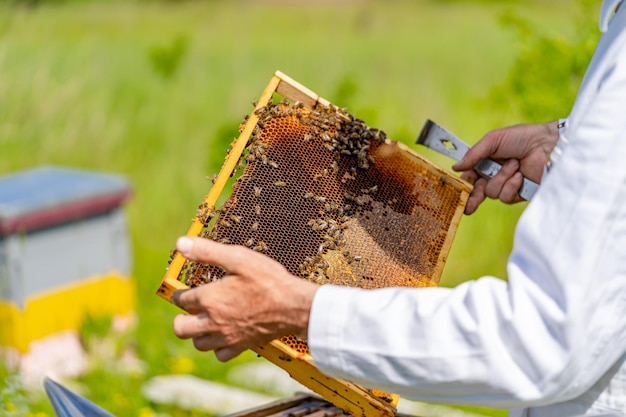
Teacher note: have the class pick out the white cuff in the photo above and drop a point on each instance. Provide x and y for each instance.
(329, 314)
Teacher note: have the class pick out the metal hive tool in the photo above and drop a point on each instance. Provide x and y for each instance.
(334, 201)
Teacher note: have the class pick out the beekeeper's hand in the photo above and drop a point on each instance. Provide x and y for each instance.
(523, 150)
(257, 300)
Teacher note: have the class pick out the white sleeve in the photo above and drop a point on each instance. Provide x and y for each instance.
(545, 336)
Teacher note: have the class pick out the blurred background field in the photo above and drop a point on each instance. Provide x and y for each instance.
(156, 91)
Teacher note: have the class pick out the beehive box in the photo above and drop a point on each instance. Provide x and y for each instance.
(64, 252)
(336, 202)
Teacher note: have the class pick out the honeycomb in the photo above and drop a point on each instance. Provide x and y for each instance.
(334, 201)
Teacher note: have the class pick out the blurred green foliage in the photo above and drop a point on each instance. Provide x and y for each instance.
(545, 77)
(166, 59)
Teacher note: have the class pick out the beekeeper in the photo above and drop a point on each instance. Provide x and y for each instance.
(549, 342)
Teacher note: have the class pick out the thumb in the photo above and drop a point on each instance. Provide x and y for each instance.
(484, 148)
(462, 165)
(471, 158)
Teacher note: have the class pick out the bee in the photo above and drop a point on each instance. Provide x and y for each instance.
(213, 178)
(225, 223)
(243, 123)
(325, 137)
(320, 199)
(273, 164)
(250, 157)
(257, 210)
(249, 243)
(255, 226)
(172, 255)
(317, 177)
(358, 258)
(224, 240)
(321, 279)
(308, 195)
(335, 167)
(307, 137)
(257, 191)
(373, 189)
(260, 246)
(234, 218)
(280, 183)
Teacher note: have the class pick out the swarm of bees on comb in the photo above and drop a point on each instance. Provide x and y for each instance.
(333, 200)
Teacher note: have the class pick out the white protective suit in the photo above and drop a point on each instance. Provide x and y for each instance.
(551, 341)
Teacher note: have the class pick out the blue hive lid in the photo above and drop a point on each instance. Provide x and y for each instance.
(49, 195)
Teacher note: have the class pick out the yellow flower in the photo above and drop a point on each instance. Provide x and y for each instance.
(146, 412)
(181, 365)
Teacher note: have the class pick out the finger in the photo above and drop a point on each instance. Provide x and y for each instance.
(226, 354)
(229, 257)
(187, 326)
(188, 300)
(484, 148)
(510, 190)
(470, 176)
(494, 185)
(476, 197)
(209, 341)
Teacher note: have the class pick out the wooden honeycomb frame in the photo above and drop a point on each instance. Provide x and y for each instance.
(350, 397)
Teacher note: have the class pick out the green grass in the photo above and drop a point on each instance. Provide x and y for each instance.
(102, 86)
